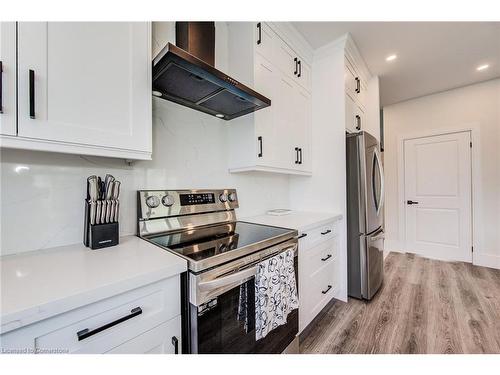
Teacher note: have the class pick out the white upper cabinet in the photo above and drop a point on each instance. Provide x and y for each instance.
(277, 138)
(8, 78)
(85, 88)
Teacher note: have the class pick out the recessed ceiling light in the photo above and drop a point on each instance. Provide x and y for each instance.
(391, 57)
(219, 115)
(483, 67)
(157, 93)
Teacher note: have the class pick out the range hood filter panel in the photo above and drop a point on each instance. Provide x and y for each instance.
(177, 81)
(228, 103)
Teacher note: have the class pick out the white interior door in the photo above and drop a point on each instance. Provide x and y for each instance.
(85, 82)
(438, 196)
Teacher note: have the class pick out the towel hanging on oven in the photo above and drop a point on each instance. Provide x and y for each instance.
(275, 292)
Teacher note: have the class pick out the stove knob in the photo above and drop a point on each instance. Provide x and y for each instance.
(223, 197)
(232, 197)
(153, 201)
(167, 200)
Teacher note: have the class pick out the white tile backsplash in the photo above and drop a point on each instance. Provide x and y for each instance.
(42, 193)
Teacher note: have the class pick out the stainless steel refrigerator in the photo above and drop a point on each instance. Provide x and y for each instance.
(365, 202)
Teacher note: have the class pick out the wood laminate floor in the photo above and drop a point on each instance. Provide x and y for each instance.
(424, 306)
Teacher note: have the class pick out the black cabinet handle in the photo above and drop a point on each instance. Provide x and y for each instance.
(296, 155)
(411, 202)
(259, 27)
(32, 93)
(300, 155)
(175, 343)
(260, 147)
(358, 122)
(1, 87)
(358, 87)
(300, 69)
(296, 66)
(86, 333)
(327, 289)
(302, 236)
(326, 258)
(326, 232)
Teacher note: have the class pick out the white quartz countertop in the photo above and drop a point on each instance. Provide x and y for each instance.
(295, 220)
(44, 283)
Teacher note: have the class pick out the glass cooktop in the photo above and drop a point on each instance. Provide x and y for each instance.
(203, 243)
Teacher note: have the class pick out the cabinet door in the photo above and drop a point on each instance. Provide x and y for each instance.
(350, 81)
(8, 78)
(302, 128)
(304, 75)
(265, 127)
(286, 122)
(265, 40)
(164, 339)
(350, 122)
(86, 83)
(286, 58)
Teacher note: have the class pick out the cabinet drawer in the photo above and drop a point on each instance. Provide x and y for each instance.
(320, 234)
(110, 322)
(322, 287)
(319, 256)
(159, 340)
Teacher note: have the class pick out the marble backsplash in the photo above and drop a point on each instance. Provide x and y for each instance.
(42, 193)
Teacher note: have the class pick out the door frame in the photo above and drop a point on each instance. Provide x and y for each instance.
(476, 186)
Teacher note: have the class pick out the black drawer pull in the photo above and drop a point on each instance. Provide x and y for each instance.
(326, 258)
(175, 343)
(1, 87)
(296, 155)
(296, 66)
(302, 236)
(86, 333)
(327, 289)
(326, 232)
(259, 27)
(32, 93)
(300, 154)
(411, 202)
(300, 69)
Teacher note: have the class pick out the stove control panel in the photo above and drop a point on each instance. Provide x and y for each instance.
(153, 204)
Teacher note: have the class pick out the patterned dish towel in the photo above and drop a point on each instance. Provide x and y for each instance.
(275, 293)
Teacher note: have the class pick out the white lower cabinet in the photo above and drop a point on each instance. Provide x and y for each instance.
(319, 273)
(142, 320)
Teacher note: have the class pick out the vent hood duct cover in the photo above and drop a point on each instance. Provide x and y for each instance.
(183, 78)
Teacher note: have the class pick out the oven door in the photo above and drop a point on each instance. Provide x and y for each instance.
(222, 309)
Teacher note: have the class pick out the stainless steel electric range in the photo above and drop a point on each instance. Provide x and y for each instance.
(222, 254)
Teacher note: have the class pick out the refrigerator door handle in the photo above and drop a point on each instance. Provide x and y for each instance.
(378, 235)
(382, 185)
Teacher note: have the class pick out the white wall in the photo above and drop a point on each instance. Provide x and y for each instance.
(42, 193)
(475, 107)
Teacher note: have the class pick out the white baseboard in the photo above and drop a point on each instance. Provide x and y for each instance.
(486, 260)
(393, 246)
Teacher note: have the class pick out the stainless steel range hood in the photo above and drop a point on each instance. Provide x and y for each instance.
(183, 78)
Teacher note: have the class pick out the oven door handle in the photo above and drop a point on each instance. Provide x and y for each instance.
(227, 280)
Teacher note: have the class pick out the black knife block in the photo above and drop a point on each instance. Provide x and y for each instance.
(99, 236)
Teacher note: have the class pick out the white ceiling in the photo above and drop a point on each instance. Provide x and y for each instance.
(432, 56)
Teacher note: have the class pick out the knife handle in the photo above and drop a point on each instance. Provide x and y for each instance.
(108, 211)
(103, 211)
(117, 210)
(92, 212)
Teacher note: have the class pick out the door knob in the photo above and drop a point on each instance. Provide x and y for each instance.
(411, 202)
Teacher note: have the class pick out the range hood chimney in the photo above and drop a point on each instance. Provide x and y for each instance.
(185, 74)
